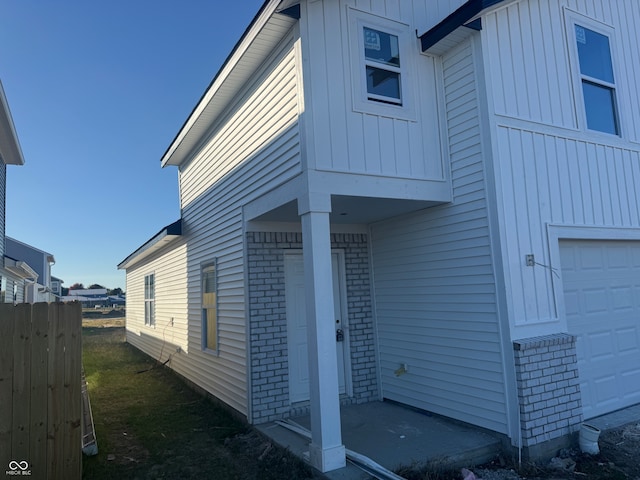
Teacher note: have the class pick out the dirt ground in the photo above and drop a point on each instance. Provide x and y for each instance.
(619, 459)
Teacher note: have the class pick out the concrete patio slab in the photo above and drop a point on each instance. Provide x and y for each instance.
(393, 435)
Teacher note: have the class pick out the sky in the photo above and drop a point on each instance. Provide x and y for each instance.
(97, 92)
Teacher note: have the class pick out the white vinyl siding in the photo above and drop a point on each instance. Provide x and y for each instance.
(254, 149)
(371, 143)
(434, 284)
(170, 303)
(529, 64)
(547, 170)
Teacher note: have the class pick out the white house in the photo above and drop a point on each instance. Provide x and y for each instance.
(434, 202)
(13, 273)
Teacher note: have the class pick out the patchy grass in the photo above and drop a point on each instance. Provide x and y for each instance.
(149, 424)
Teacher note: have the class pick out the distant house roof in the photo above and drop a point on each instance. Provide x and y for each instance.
(10, 151)
(88, 292)
(155, 243)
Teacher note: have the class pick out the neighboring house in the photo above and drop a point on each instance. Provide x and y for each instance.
(13, 273)
(451, 222)
(39, 290)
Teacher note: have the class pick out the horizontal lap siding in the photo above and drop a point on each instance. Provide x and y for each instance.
(434, 283)
(169, 268)
(253, 150)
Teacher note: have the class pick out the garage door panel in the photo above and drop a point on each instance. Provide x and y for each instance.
(601, 291)
(628, 342)
(595, 301)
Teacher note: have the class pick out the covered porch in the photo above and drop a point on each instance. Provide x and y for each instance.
(393, 435)
(308, 272)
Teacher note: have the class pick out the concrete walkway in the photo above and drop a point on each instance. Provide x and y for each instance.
(393, 435)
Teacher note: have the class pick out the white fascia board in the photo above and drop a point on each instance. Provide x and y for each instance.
(20, 269)
(271, 7)
(155, 244)
(10, 151)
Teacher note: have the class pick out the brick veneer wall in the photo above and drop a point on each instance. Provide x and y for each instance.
(268, 322)
(548, 388)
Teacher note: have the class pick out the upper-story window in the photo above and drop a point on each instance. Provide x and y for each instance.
(382, 63)
(382, 66)
(596, 72)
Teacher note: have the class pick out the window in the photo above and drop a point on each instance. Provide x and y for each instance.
(597, 79)
(149, 300)
(382, 62)
(209, 307)
(381, 66)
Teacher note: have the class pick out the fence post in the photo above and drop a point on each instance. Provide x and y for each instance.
(72, 315)
(7, 322)
(39, 368)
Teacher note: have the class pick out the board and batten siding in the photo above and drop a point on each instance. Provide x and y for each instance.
(170, 330)
(435, 289)
(347, 140)
(529, 60)
(548, 170)
(254, 149)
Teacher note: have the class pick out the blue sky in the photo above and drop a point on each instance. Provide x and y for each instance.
(97, 91)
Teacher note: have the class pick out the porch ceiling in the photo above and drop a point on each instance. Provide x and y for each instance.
(351, 210)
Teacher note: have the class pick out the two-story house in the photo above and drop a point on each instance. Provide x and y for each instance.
(39, 290)
(435, 202)
(13, 273)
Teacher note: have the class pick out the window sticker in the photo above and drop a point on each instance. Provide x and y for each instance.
(581, 35)
(371, 40)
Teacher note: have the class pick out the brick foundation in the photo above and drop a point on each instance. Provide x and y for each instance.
(548, 390)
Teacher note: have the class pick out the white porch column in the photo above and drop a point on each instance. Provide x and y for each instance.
(326, 450)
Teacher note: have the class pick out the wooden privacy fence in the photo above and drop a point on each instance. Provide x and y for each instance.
(40, 390)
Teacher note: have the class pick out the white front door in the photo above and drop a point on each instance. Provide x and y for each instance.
(297, 325)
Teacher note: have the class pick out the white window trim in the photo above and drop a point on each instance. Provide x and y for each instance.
(571, 19)
(148, 322)
(213, 263)
(360, 98)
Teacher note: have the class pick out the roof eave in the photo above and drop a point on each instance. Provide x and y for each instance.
(177, 152)
(156, 243)
(20, 269)
(463, 17)
(10, 151)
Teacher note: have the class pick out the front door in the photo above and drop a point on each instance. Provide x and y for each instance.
(297, 325)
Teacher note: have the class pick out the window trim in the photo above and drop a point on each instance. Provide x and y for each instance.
(213, 264)
(151, 320)
(361, 99)
(573, 19)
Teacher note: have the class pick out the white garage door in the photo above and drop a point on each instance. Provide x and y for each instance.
(601, 282)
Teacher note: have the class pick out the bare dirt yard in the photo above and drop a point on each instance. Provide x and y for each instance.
(619, 459)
